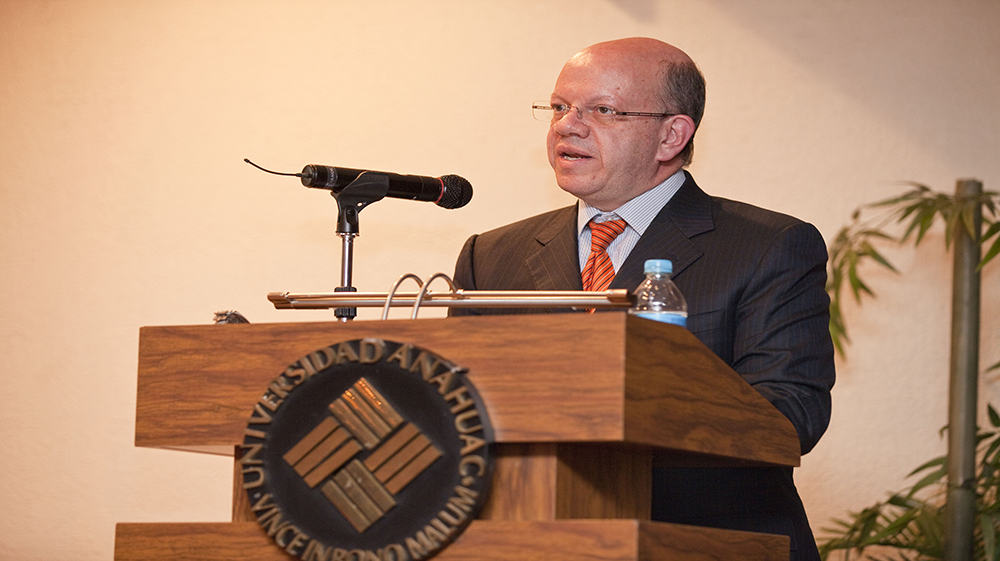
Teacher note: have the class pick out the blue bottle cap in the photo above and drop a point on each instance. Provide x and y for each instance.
(658, 266)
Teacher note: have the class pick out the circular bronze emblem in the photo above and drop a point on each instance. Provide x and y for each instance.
(367, 450)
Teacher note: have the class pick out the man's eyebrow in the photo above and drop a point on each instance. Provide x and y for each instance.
(601, 99)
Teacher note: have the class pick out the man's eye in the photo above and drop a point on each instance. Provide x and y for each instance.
(604, 110)
(560, 107)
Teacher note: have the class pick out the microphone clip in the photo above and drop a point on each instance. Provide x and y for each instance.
(368, 188)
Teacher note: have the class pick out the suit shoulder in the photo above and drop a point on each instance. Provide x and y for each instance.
(748, 219)
(534, 224)
(738, 211)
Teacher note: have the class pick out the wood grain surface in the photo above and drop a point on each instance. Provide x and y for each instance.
(580, 404)
(483, 540)
(544, 378)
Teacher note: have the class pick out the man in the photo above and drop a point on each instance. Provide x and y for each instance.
(623, 116)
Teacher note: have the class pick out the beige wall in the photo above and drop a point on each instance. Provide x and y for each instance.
(124, 200)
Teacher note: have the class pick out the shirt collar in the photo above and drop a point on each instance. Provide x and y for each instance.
(638, 212)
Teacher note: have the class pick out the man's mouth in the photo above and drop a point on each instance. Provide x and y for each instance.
(572, 156)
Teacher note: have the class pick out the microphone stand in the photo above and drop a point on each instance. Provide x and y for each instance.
(351, 200)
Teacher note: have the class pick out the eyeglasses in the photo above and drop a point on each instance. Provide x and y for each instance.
(601, 114)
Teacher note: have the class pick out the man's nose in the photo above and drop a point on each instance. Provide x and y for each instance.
(571, 122)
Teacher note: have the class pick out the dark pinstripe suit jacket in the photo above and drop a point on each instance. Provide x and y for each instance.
(754, 282)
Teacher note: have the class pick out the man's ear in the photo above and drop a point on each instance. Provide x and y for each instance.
(675, 132)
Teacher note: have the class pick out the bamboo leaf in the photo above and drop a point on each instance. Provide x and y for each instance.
(893, 528)
(988, 456)
(874, 254)
(838, 331)
(857, 285)
(987, 528)
(926, 220)
(969, 220)
(992, 252)
(923, 219)
(929, 479)
(902, 501)
(917, 192)
(992, 230)
(936, 462)
(918, 206)
(951, 224)
(914, 223)
(876, 234)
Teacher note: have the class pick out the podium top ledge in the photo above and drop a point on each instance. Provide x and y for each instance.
(603, 378)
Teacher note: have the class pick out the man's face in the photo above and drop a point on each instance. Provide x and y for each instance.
(606, 165)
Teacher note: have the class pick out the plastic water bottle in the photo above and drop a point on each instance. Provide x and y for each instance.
(658, 298)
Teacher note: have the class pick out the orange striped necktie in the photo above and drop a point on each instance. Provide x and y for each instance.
(599, 271)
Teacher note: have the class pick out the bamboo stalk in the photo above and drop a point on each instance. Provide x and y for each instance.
(960, 510)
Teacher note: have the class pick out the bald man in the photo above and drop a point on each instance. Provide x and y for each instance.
(623, 116)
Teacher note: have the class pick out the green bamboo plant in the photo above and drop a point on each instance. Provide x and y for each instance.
(917, 209)
(910, 523)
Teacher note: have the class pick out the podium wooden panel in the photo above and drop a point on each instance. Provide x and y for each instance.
(581, 405)
(483, 540)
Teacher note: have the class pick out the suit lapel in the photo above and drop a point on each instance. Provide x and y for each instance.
(556, 263)
(688, 214)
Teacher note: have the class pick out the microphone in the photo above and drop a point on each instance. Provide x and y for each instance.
(448, 191)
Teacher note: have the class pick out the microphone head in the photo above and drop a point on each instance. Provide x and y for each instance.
(457, 192)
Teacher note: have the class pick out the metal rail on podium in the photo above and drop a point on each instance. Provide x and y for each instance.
(582, 406)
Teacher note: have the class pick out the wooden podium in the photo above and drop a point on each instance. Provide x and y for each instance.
(582, 406)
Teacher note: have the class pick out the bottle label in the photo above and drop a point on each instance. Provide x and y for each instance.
(665, 317)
